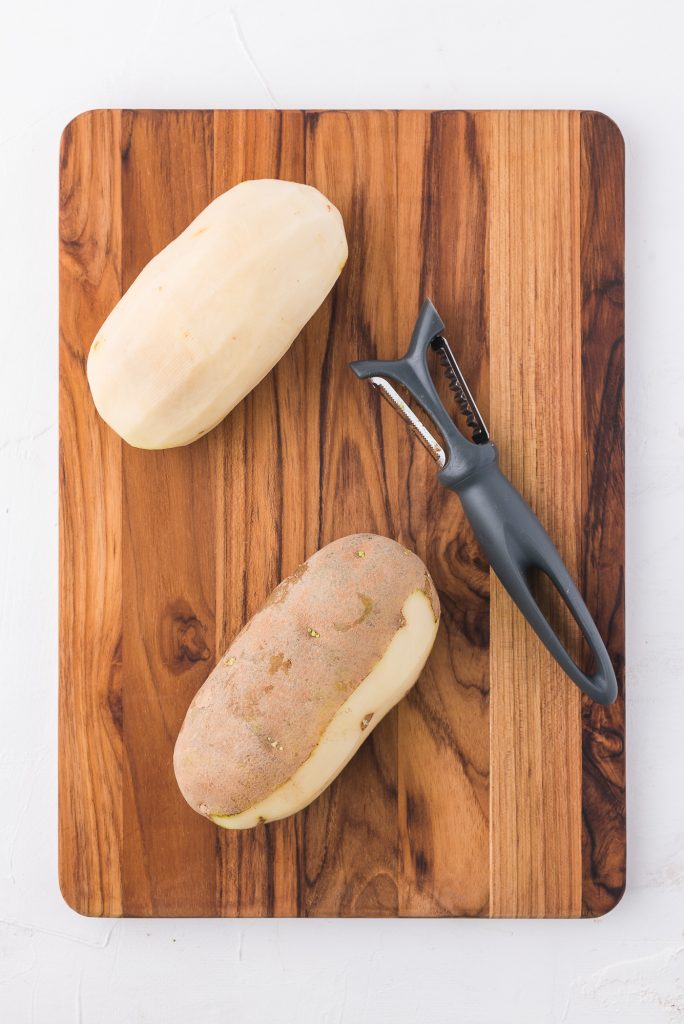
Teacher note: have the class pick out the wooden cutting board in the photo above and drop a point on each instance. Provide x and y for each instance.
(494, 788)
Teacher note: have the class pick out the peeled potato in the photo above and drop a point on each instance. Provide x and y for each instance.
(336, 646)
(214, 311)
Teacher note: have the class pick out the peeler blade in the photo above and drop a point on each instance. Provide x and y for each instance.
(462, 392)
(452, 447)
(392, 396)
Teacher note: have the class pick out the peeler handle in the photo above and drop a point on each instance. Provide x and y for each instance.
(515, 542)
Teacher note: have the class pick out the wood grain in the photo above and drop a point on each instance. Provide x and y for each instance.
(535, 343)
(350, 835)
(90, 527)
(265, 501)
(491, 789)
(444, 722)
(603, 489)
(168, 557)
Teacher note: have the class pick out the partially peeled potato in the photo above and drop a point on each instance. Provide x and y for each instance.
(336, 646)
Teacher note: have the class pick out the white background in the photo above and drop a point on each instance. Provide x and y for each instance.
(57, 59)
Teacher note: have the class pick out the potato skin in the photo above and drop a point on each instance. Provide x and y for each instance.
(264, 708)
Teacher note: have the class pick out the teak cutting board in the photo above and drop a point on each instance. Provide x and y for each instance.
(494, 788)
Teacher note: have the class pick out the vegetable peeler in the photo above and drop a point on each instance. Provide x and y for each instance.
(511, 536)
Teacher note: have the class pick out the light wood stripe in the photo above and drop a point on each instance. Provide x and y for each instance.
(90, 527)
(535, 338)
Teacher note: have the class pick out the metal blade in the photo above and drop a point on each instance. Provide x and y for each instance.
(459, 386)
(418, 428)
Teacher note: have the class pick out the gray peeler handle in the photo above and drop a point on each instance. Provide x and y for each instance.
(515, 542)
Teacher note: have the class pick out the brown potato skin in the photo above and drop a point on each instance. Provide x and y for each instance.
(263, 709)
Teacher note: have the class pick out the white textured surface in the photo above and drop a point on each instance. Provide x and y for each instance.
(614, 55)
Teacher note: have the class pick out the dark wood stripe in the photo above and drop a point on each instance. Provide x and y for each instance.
(603, 729)
(349, 834)
(266, 499)
(444, 722)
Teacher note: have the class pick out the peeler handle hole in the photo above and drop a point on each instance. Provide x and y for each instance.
(558, 614)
